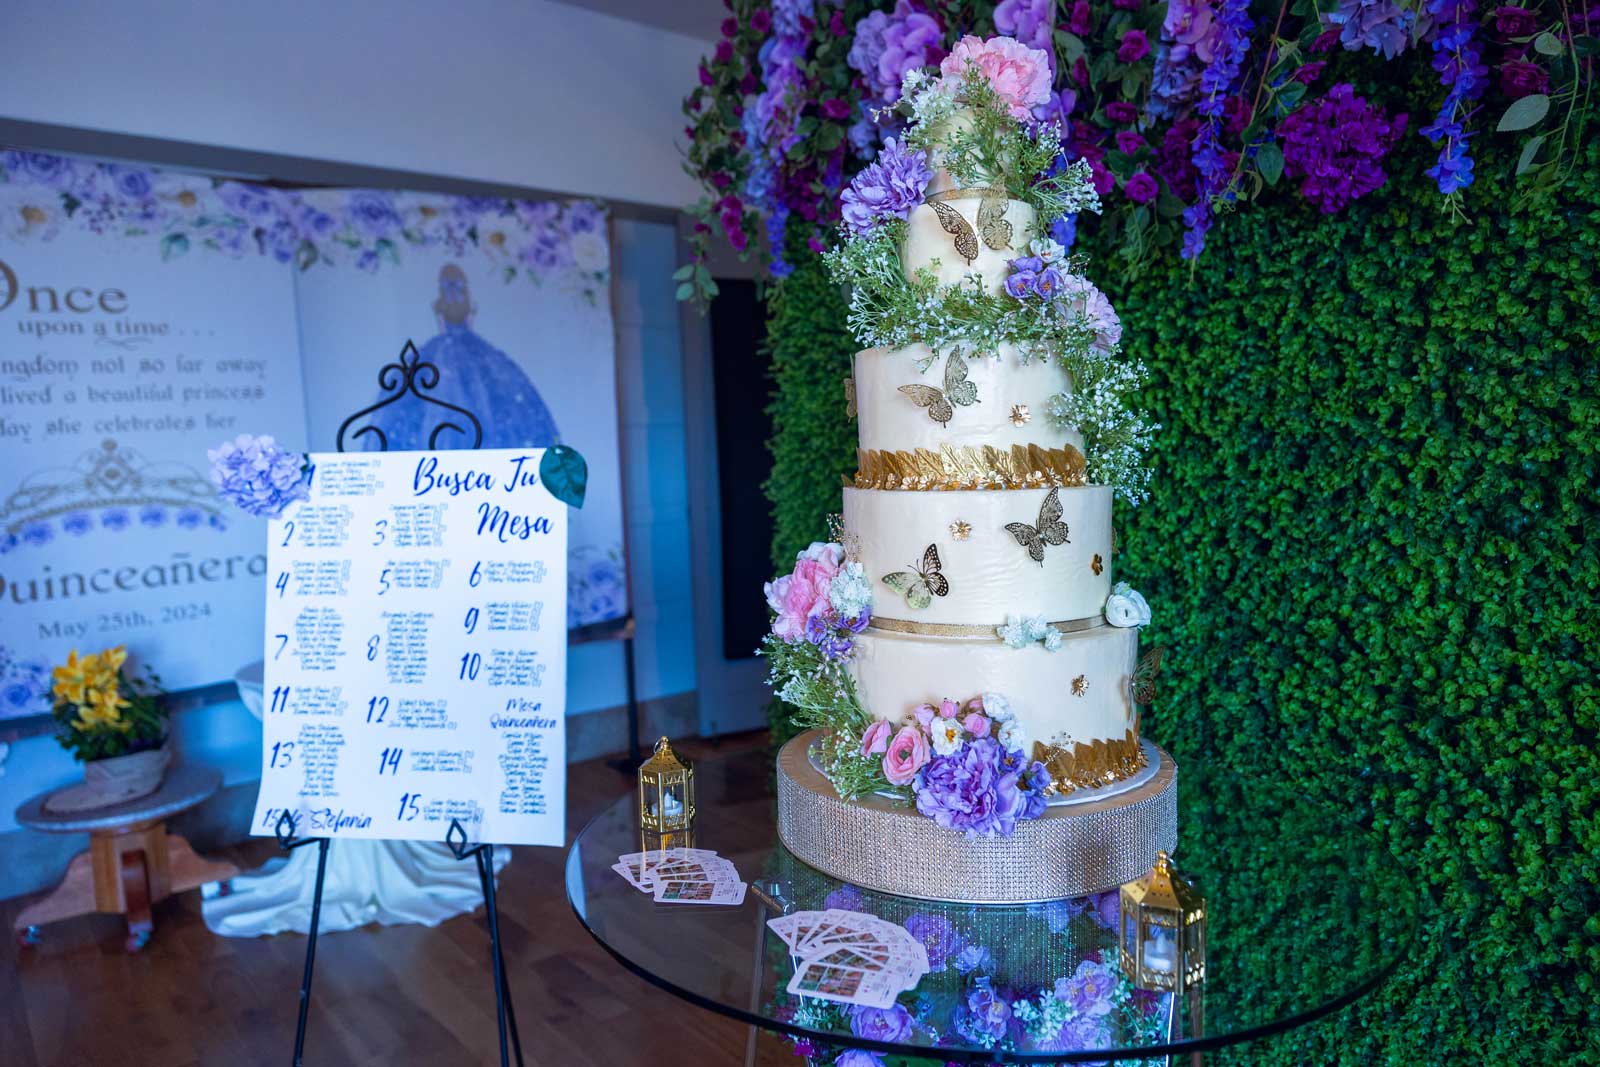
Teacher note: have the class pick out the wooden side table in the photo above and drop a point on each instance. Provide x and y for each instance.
(132, 862)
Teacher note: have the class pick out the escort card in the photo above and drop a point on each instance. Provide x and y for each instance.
(416, 650)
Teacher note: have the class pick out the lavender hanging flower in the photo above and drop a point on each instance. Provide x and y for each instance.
(1457, 58)
(258, 476)
(1211, 161)
(887, 188)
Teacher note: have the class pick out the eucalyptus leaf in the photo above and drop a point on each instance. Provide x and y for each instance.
(565, 473)
(1529, 111)
(1530, 151)
(685, 290)
(1269, 161)
(1548, 44)
(683, 273)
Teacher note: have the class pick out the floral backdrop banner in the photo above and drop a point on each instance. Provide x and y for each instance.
(146, 316)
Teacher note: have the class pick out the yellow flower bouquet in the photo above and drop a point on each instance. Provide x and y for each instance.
(101, 712)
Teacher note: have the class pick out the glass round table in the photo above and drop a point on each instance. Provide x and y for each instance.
(1006, 984)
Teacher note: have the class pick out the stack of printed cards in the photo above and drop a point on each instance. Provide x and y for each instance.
(850, 957)
(682, 876)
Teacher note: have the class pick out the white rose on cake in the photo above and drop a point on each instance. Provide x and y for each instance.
(1125, 607)
(1012, 737)
(946, 735)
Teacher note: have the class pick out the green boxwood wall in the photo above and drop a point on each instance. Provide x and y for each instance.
(1374, 554)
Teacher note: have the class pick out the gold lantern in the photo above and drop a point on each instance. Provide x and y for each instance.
(666, 796)
(1163, 933)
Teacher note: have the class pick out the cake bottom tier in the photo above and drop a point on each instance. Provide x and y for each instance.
(1071, 851)
(1077, 695)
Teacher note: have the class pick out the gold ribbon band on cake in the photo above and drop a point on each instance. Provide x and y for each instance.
(970, 467)
(957, 629)
(980, 192)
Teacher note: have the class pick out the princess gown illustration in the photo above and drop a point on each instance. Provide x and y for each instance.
(474, 375)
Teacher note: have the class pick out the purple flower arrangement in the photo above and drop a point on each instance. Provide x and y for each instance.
(258, 476)
(1336, 145)
(824, 601)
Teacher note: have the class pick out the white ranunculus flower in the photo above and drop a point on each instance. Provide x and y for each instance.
(1012, 736)
(1047, 250)
(997, 707)
(1125, 607)
(590, 252)
(946, 735)
(823, 551)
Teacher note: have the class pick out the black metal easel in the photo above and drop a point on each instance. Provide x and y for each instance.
(410, 376)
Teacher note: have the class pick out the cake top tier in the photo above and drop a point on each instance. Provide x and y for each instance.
(956, 242)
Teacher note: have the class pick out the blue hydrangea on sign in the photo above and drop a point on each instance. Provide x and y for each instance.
(565, 473)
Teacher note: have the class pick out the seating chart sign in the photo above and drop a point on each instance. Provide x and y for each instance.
(416, 650)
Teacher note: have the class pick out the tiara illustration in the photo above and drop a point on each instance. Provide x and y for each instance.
(109, 487)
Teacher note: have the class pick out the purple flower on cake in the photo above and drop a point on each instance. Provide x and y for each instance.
(1090, 989)
(1019, 75)
(880, 1024)
(258, 476)
(937, 935)
(887, 188)
(1081, 298)
(906, 755)
(958, 790)
(1023, 281)
(888, 44)
(976, 724)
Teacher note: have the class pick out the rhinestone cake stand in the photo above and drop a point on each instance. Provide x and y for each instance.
(1071, 851)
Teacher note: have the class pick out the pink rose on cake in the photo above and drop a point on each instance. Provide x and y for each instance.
(1019, 75)
(907, 753)
(875, 739)
(803, 593)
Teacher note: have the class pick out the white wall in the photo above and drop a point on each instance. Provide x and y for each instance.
(520, 92)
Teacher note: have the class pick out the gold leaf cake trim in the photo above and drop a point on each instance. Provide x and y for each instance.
(1089, 765)
(970, 467)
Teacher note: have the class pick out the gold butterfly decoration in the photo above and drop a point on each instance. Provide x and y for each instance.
(941, 403)
(1144, 676)
(850, 398)
(920, 584)
(993, 224)
(959, 228)
(1049, 531)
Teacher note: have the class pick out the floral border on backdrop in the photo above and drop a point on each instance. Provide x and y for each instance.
(1183, 109)
(548, 241)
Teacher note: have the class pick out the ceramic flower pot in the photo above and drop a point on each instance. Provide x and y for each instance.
(123, 778)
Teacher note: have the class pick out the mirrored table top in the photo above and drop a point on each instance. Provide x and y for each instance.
(1007, 984)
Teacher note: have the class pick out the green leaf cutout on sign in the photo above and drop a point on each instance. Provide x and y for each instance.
(173, 245)
(565, 474)
(1524, 113)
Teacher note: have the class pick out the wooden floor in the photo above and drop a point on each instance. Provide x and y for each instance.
(384, 995)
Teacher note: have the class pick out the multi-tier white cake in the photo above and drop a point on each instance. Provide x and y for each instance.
(962, 647)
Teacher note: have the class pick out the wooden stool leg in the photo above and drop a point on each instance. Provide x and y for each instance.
(136, 898)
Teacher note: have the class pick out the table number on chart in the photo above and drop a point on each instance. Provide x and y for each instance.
(416, 650)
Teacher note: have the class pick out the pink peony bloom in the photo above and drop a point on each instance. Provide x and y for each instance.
(948, 709)
(797, 596)
(977, 725)
(1018, 74)
(875, 741)
(907, 753)
(924, 714)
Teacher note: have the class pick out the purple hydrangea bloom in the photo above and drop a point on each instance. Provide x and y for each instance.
(1335, 147)
(888, 187)
(1107, 909)
(880, 1024)
(1028, 21)
(1381, 25)
(258, 476)
(936, 934)
(846, 898)
(888, 44)
(858, 1057)
(972, 958)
